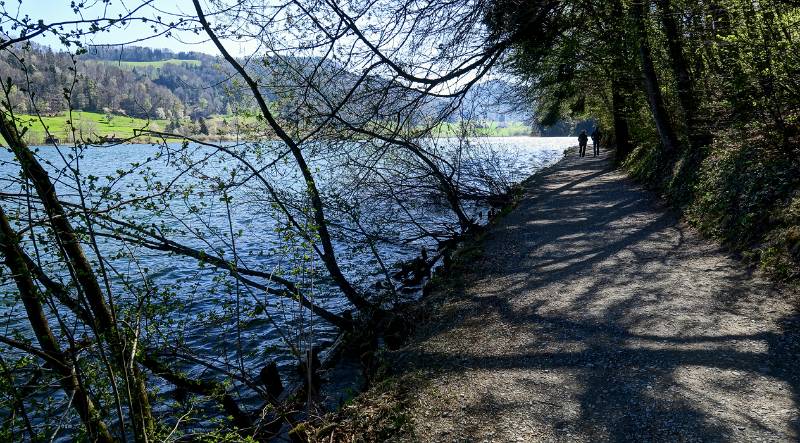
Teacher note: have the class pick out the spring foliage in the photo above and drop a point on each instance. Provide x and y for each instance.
(700, 98)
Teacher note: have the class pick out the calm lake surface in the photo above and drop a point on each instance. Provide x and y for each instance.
(197, 299)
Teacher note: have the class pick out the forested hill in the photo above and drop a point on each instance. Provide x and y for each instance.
(143, 54)
(159, 84)
(134, 81)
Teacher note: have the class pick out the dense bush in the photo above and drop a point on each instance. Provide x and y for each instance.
(745, 193)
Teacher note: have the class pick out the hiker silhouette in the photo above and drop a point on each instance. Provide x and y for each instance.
(596, 135)
(583, 139)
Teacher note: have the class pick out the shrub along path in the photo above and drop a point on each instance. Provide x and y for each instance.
(594, 314)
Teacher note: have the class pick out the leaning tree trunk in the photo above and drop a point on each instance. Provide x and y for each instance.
(54, 357)
(329, 255)
(666, 131)
(85, 277)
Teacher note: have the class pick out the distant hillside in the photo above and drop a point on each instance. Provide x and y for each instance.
(137, 82)
(503, 104)
(495, 100)
(162, 85)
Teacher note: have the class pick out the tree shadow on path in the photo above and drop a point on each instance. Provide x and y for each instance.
(594, 315)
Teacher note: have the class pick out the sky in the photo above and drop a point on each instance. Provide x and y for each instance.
(59, 10)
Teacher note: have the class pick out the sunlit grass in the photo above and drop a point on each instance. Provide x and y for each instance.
(87, 126)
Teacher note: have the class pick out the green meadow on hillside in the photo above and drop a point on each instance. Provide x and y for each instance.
(87, 125)
(93, 126)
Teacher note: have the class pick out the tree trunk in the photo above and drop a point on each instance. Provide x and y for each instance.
(619, 112)
(698, 136)
(84, 274)
(620, 83)
(58, 361)
(666, 132)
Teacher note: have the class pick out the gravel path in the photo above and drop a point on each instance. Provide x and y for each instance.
(595, 316)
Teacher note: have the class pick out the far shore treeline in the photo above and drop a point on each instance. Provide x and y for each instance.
(120, 89)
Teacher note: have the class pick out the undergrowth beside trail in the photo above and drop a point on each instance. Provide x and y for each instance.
(744, 191)
(378, 415)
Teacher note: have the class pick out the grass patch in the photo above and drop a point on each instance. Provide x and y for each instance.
(87, 125)
(93, 125)
(484, 129)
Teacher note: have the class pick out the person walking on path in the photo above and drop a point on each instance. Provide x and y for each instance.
(583, 140)
(596, 134)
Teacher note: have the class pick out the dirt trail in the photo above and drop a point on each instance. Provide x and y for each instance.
(595, 316)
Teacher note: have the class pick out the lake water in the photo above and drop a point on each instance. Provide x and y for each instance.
(195, 303)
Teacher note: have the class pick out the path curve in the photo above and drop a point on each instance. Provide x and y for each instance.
(595, 315)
